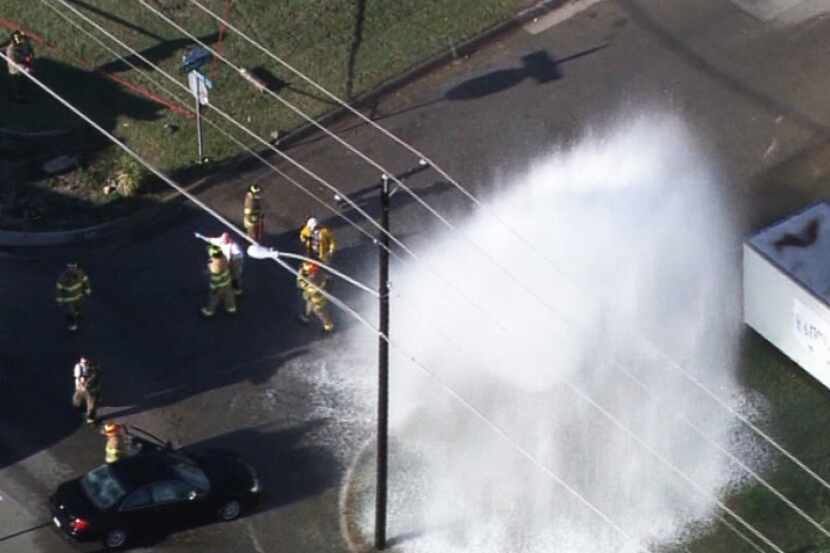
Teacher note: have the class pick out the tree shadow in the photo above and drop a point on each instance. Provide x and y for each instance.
(44, 139)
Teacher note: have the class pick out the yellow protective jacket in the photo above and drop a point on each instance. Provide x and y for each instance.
(319, 242)
(72, 285)
(118, 447)
(253, 209)
(21, 54)
(310, 293)
(220, 273)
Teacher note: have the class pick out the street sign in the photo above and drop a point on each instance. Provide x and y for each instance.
(195, 58)
(199, 86)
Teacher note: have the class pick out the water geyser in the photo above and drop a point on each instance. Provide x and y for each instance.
(629, 271)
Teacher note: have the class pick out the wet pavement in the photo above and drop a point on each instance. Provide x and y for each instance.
(258, 382)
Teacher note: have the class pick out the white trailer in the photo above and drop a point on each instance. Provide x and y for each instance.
(786, 287)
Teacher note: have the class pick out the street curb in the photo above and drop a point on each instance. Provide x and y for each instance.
(160, 212)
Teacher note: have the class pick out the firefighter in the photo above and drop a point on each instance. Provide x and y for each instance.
(253, 216)
(311, 281)
(233, 253)
(318, 240)
(220, 283)
(72, 287)
(87, 387)
(119, 443)
(21, 60)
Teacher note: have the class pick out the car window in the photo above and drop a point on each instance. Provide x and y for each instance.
(102, 487)
(139, 498)
(170, 490)
(193, 475)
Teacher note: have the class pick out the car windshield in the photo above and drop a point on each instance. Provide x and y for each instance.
(193, 475)
(102, 488)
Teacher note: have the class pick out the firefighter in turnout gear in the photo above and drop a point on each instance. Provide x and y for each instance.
(119, 443)
(87, 387)
(72, 287)
(233, 253)
(311, 280)
(318, 240)
(21, 59)
(220, 283)
(253, 216)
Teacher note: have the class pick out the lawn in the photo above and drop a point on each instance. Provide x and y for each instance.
(348, 46)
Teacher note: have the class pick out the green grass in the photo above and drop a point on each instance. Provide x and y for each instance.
(796, 416)
(318, 37)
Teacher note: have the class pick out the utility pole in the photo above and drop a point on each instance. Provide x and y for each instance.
(383, 354)
(383, 369)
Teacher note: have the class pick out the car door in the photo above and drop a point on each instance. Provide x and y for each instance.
(175, 502)
(137, 513)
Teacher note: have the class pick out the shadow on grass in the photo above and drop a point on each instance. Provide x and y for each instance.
(41, 131)
(156, 54)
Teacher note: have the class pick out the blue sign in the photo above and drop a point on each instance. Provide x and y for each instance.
(195, 58)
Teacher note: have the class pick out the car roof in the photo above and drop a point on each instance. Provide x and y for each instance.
(144, 468)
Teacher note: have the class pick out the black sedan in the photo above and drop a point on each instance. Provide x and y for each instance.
(153, 492)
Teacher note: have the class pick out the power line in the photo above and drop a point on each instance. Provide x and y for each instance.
(348, 146)
(798, 510)
(270, 146)
(495, 427)
(489, 212)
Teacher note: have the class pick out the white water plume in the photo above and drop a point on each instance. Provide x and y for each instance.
(633, 253)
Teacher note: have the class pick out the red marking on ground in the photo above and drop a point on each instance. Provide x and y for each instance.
(226, 15)
(138, 89)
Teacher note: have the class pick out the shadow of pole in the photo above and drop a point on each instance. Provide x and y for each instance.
(357, 39)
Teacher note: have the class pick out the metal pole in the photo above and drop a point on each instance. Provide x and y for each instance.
(383, 370)
(199, 123)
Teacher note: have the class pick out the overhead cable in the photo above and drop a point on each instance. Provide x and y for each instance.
(339, 303)
(508, 227)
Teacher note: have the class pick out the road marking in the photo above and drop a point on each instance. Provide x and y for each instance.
(557, 16)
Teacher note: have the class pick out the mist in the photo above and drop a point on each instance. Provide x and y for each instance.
(625, 275)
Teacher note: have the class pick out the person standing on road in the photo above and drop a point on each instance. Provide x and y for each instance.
(21, 55)
(311, 281)
(72, 287)
(220, 283)
(318, 240)
(119, 444)
(253, 216)
(233, 253)
(87, 387)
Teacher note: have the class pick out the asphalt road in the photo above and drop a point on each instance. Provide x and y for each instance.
(266, 386)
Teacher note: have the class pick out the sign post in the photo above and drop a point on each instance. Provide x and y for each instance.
(193, 60)
(199, 87)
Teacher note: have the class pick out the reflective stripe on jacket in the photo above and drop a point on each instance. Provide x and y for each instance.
(72, 286)
(253, 209)
(220, 274)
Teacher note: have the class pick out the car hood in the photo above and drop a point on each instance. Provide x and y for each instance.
(71, 500)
